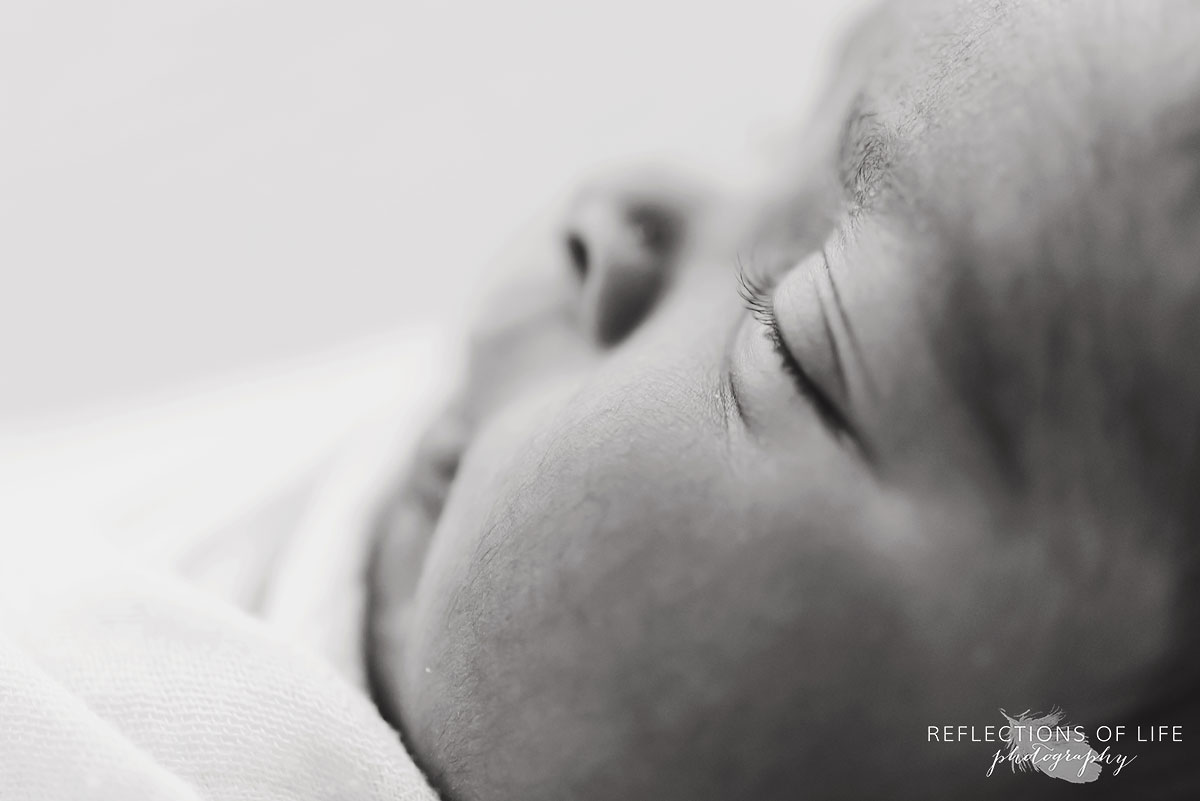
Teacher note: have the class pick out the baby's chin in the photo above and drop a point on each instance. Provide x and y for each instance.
(391, 588)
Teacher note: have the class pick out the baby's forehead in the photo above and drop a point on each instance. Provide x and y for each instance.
(984, 101)
(1048, 197)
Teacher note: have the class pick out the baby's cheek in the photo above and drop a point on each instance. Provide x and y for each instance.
(555, 588)
(616, 612)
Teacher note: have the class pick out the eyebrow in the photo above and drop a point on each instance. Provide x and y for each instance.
(865, 152)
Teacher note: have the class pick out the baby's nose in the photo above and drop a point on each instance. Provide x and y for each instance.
(621, 245)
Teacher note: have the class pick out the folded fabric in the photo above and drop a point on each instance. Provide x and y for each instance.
(130, 686)
(187, 654)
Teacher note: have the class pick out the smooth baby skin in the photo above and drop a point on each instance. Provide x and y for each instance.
(678, 564)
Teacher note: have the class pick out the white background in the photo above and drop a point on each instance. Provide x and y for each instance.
(229, 228)
(187, 188)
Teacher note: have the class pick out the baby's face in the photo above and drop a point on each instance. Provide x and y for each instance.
(711, 541)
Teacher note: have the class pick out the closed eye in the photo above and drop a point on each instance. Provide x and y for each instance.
(757, 293)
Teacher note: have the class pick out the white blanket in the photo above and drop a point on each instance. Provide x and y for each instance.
(195, 635)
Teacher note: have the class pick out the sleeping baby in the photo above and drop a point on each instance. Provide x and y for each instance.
(744, 492)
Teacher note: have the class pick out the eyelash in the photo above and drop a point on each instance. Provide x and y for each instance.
(755, 289)
(757, 292)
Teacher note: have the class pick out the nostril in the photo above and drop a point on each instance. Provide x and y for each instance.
(578, 251)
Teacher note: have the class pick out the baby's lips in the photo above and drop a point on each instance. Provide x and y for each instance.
(405, 529)
(435, 463)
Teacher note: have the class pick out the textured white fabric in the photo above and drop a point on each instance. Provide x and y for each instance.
(129, 687)
(209, 664)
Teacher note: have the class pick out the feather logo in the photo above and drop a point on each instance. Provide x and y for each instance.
(1046, 744)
